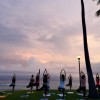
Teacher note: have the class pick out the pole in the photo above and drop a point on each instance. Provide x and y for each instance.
(79, 71)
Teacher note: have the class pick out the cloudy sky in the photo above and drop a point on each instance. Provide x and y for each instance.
(47, 34)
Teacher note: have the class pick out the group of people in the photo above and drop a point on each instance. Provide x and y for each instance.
(62, 82)
(61, 88)
(46, 81)
(31, 83)
(34, 83)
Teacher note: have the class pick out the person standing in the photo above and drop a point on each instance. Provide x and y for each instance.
(61, 87)
(13, 82)
(31, 82)
(70, 81)
(97, 81)
(37, 80)
(83, 83)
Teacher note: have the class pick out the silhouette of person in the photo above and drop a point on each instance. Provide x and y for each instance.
(62, 81)
(37, 80)
(70, 81)
(97, 81)
(83, 83)
(46, 81)
(31, 83)
(13, 82)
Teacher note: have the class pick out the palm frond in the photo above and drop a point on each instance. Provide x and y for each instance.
(98, 13)
(98, 2)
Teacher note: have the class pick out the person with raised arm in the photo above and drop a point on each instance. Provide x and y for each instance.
(37, 80)
(61, 87)
(97, 81)
(45, 77)
(48, 82)
(13, 82)
(70, 81)
(31, 82)
(83, 83)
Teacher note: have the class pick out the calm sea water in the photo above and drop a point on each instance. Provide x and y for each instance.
(23, 80)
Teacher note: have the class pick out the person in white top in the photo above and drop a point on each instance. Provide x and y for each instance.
(62, 81)
(48, 82)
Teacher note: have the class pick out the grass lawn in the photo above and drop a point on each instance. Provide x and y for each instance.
(37, 95)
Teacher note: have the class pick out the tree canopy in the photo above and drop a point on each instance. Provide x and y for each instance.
(98, 11)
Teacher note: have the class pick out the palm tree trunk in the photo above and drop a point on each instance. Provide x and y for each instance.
(98, 13)
(92, 87)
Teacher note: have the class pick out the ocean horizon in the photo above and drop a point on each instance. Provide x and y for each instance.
(23, 80)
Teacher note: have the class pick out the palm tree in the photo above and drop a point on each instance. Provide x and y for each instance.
(92, 87)
(98, 12)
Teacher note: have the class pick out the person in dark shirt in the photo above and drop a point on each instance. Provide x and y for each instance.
(70, 81)
(31, 82)
(13, 82)
(45, 82)
(45, 76)
(97, 81)
(37, 80)
(83, 84)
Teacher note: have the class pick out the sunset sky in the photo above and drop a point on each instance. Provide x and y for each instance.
(39, 34)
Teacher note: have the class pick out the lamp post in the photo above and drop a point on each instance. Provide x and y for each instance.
(79, 69)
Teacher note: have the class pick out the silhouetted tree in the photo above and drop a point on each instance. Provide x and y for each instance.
(98, 12)
(92, 87)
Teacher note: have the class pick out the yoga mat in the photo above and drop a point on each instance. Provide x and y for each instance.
(29, 92)
(52, 93)
(70, 92)
(61, 95)
(44, 99)
(8, 93)
(60, 99)
(24, 96)
(2, 92)
(4, 96)
(47, 94)
(80, 94)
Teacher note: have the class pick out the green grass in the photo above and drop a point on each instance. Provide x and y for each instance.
(39, 94)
